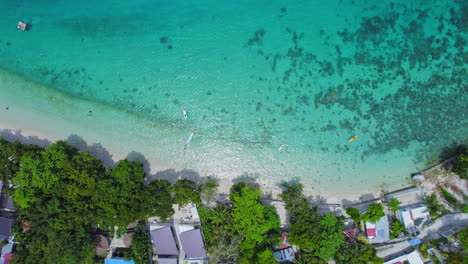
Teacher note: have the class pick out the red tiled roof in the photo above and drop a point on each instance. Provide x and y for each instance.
(8, 258)
(370, 232)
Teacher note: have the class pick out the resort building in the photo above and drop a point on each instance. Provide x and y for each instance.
(284, 253)
(5, 228)
(164, 243)
(378, 232)
(413, 217)
(411, 258)
(191, 241)
(6, 202)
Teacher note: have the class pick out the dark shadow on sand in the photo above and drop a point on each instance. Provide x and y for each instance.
(15, 135)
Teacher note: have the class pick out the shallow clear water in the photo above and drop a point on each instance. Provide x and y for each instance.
(273, 89)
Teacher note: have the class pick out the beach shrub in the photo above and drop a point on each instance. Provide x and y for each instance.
(374, 213)
(354, 213)
(433, 205)
(449, 197)
(460, 166)
(394, 205)
(186, 191)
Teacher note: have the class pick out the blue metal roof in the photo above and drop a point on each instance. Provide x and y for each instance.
(415, 242)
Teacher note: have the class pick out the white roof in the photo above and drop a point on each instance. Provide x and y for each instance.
(194, 212)
(412, 258)
(8, 248)
(408, 215)
(184, 228)
(156, 226)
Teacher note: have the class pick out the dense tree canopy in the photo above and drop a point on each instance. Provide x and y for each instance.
(243, 233)
(256, 223)
(374, 213)
(65, 194)
(354, 213)
(357, 253)
(11, 154)
(317, 235)
(186, 191)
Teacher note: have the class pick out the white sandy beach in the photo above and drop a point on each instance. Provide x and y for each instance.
(40, 115)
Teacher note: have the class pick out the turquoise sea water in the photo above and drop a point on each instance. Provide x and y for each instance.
(273, 89)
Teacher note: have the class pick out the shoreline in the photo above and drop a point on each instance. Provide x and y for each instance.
(15, 132)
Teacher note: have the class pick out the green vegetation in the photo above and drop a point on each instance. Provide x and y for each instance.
(141, 246)
(354, 214)
(186, 191)
(11, 154)
(394, 205)
(374, 213)
(463, 237)
(65, 194)
(423, 250)
(357, 253)
(460, 166)
(317, 235)
(396, 229)
(435, 208)
(457, 258)
(244, 233)
(449, 198)
(208, 190)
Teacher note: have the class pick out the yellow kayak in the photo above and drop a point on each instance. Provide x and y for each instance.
(352, 139)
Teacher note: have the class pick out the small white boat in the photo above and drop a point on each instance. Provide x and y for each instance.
(189, 139)
(184, 111)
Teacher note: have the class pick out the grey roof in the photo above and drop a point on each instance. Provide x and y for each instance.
(192, 243)
(1, 187)
(382, 232)
(167, 260)
(163, 241)
(5, 226)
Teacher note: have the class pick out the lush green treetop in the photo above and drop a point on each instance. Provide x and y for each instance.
(186, 191)
(374, 213)
(394, 205)
(354, 213)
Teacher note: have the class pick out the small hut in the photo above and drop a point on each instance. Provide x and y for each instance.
(102, 245)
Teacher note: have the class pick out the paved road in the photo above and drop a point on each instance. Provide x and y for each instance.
(433, 231)
(443, 223)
